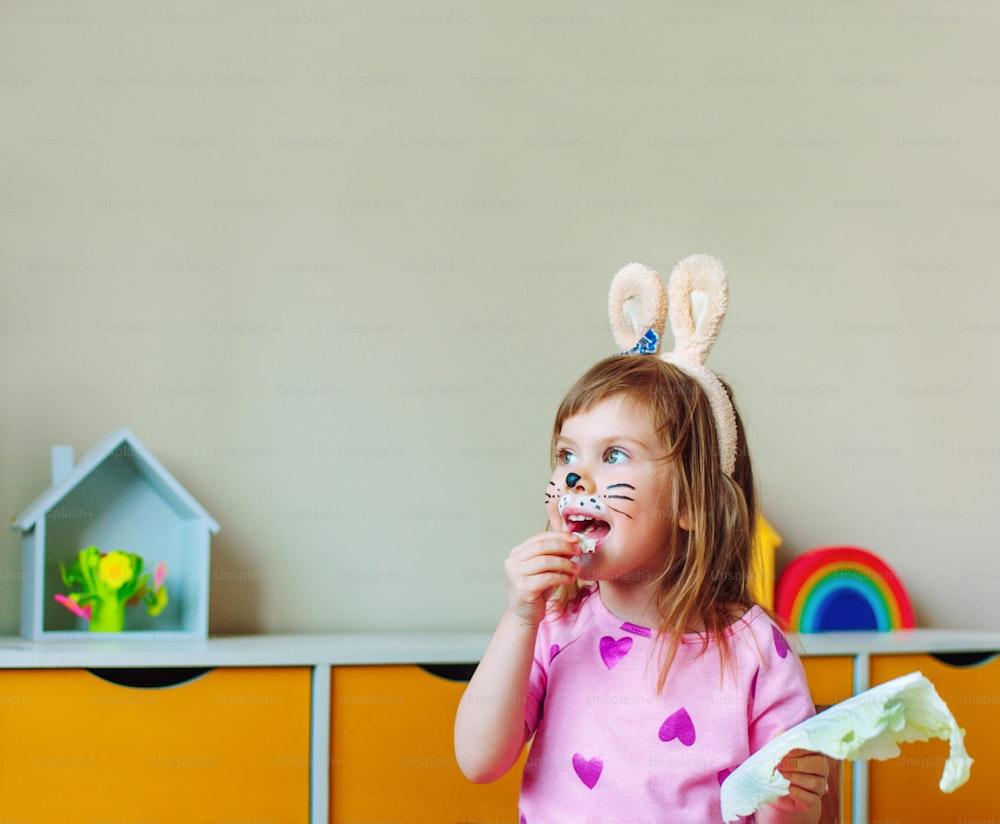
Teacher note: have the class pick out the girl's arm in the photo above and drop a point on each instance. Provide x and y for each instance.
(490, 729)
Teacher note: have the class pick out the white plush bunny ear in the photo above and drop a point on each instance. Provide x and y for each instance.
(637, 309)
(699, 297)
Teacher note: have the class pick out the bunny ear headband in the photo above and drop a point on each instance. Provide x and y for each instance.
(698, 295)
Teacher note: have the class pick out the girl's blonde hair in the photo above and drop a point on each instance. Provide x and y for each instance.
(704, 582)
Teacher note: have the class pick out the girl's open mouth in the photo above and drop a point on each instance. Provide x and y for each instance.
(594, 530)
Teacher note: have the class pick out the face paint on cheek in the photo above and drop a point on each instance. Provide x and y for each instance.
(619, 496)
(553, 494)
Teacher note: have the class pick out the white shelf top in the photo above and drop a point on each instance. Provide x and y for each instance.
(359, 648)
(898, 642)
(341, 649)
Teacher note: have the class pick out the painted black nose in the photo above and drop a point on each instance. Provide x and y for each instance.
(572, 480)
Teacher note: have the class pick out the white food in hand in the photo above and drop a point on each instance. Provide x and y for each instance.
(868, 725)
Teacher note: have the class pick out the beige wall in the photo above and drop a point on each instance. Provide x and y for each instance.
(335, 263)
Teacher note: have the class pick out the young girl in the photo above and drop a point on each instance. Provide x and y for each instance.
(642, 689)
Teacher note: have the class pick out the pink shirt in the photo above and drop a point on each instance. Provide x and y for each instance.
(608, 748)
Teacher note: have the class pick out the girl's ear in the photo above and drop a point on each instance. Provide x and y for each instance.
(682, 510)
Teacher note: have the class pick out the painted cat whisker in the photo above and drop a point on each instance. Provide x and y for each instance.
(620, 512)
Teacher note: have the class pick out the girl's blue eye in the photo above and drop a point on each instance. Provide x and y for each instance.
(615, 456)
(564, 457)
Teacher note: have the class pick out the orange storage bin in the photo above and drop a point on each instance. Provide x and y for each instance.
(393, 751)
(230, 745)
(905, 789)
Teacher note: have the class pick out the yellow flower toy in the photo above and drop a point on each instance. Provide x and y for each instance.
(102, 585)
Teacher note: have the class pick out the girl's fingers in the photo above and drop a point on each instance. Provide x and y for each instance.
(535, 567)
(806, 763)
(543, 583)
(526, 572)
(560, 543)
(807, 772)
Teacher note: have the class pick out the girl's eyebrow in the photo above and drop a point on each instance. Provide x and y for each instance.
(607, 443)
(630, 443)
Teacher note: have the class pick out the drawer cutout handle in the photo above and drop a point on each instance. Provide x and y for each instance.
(964, 659)
(450, 672)
(147, 678)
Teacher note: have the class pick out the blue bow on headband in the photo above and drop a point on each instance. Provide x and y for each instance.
(646, 345)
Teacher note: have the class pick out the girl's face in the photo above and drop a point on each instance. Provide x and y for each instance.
(612, 485)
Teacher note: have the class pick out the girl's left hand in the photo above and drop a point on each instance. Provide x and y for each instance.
(807, 773)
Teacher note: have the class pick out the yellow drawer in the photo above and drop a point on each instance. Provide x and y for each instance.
(230, 745)
(831, 680)
(393, 756)
(906, 788)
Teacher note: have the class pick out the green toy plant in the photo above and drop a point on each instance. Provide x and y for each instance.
(102, 584)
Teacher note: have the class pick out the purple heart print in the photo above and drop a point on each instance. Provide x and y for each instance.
(678, 725)
(780, 644)
(588, 769)
(613, 651)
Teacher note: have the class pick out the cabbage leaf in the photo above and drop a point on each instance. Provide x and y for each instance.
(869, 725)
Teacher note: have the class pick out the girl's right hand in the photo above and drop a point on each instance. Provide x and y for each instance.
(534, 568)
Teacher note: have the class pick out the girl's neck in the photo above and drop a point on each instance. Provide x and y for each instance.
(634, 604)
(630, 603)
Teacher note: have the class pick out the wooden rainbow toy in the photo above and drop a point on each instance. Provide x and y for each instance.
(841, 588)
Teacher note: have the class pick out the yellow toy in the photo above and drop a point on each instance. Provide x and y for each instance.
(766, 540)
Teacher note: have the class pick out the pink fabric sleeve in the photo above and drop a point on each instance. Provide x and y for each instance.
(780, 697)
